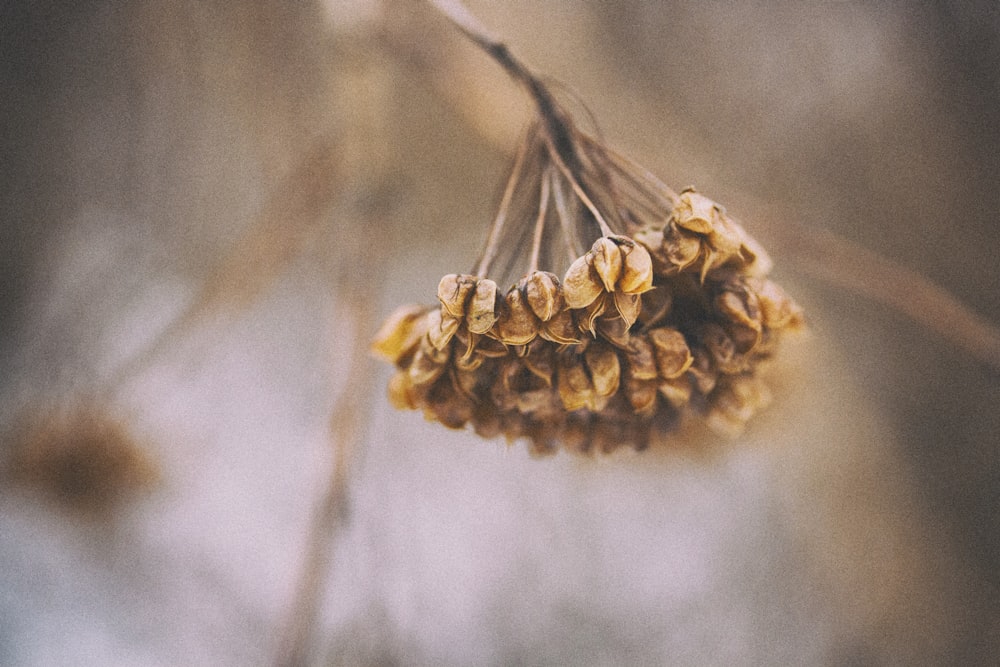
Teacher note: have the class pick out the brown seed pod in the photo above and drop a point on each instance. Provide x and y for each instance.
(778, 311)
(671, 351)
(575, 388)
(677, 391)
(637, 267)
(544, 294)
(399, 335)
(628, 306)
(581, 285)
(722, 348)
(427, 365)
(517, 324)
(607, 262)
(734, 403)
(454, 291)
(702, 372)
(441, 328)
(695, 212)
(681, 247)
(605, 369)
(481, 315)
(641, 395)
(561, 329)
(739, 308)
(640, 362)
(612, 328)
(401, 394)
(540, 360)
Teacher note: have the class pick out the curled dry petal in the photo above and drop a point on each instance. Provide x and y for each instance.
(581, 285)
(399, 334)
(544, 294)
(454, 290)
(607, 262)
(482, 308)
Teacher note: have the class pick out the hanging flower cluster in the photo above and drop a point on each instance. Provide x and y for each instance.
(668, 313)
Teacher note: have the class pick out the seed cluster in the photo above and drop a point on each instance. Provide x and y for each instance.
(640, 331)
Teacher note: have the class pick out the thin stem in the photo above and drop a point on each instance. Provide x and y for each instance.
(543, 209)
(578, 190)
(489, 254)
(565, 219)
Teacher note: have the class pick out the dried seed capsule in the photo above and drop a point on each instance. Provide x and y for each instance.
(628, 306)
(613, 329)
(540, 360)
(607, 262)
(560, 329)
(677, 391)
(441, 328)
(702, 372)
(544, 294)
(641, 395)
(588, 317)
(637, 271)
(575, 388)
(539, 402)
(681, 247)
(695, 212)
(448, 406)
(640, 362)
(724, 243)
(517, 325)
(671, 351)
(757, 262)
(605, 369)
(481, 315)
(398, 336)
(454, 291)
(739, 307)
(777, 310)
(581, 285)
(427, 365)
(575, 435)
(401, 394)
(734, 403)
(722, 349)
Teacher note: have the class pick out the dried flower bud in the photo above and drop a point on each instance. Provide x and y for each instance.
(605, 370)
(453, 291)
(722, 349)
(481, 315)
(544, 294)
(517, 325)
(739, 306)
(398, 336)
(581, 285)
(607, 262)
(670, 349)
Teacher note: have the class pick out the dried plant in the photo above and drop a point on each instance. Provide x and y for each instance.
(668, 311)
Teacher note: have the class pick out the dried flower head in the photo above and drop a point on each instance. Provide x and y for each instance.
(664, 308)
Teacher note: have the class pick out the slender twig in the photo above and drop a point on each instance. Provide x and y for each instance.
(493, 239)
(565, 218)
(543, 209)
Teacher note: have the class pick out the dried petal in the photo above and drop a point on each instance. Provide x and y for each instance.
(454, 291)
(544, 294)
(670, 349)
(482, 308)
(607, 262)
(628, 306)
(581, 285)
(399, 334)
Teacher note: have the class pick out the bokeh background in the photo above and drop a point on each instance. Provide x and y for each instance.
(207, 207)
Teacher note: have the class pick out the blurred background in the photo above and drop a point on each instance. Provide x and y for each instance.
(207, 208)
